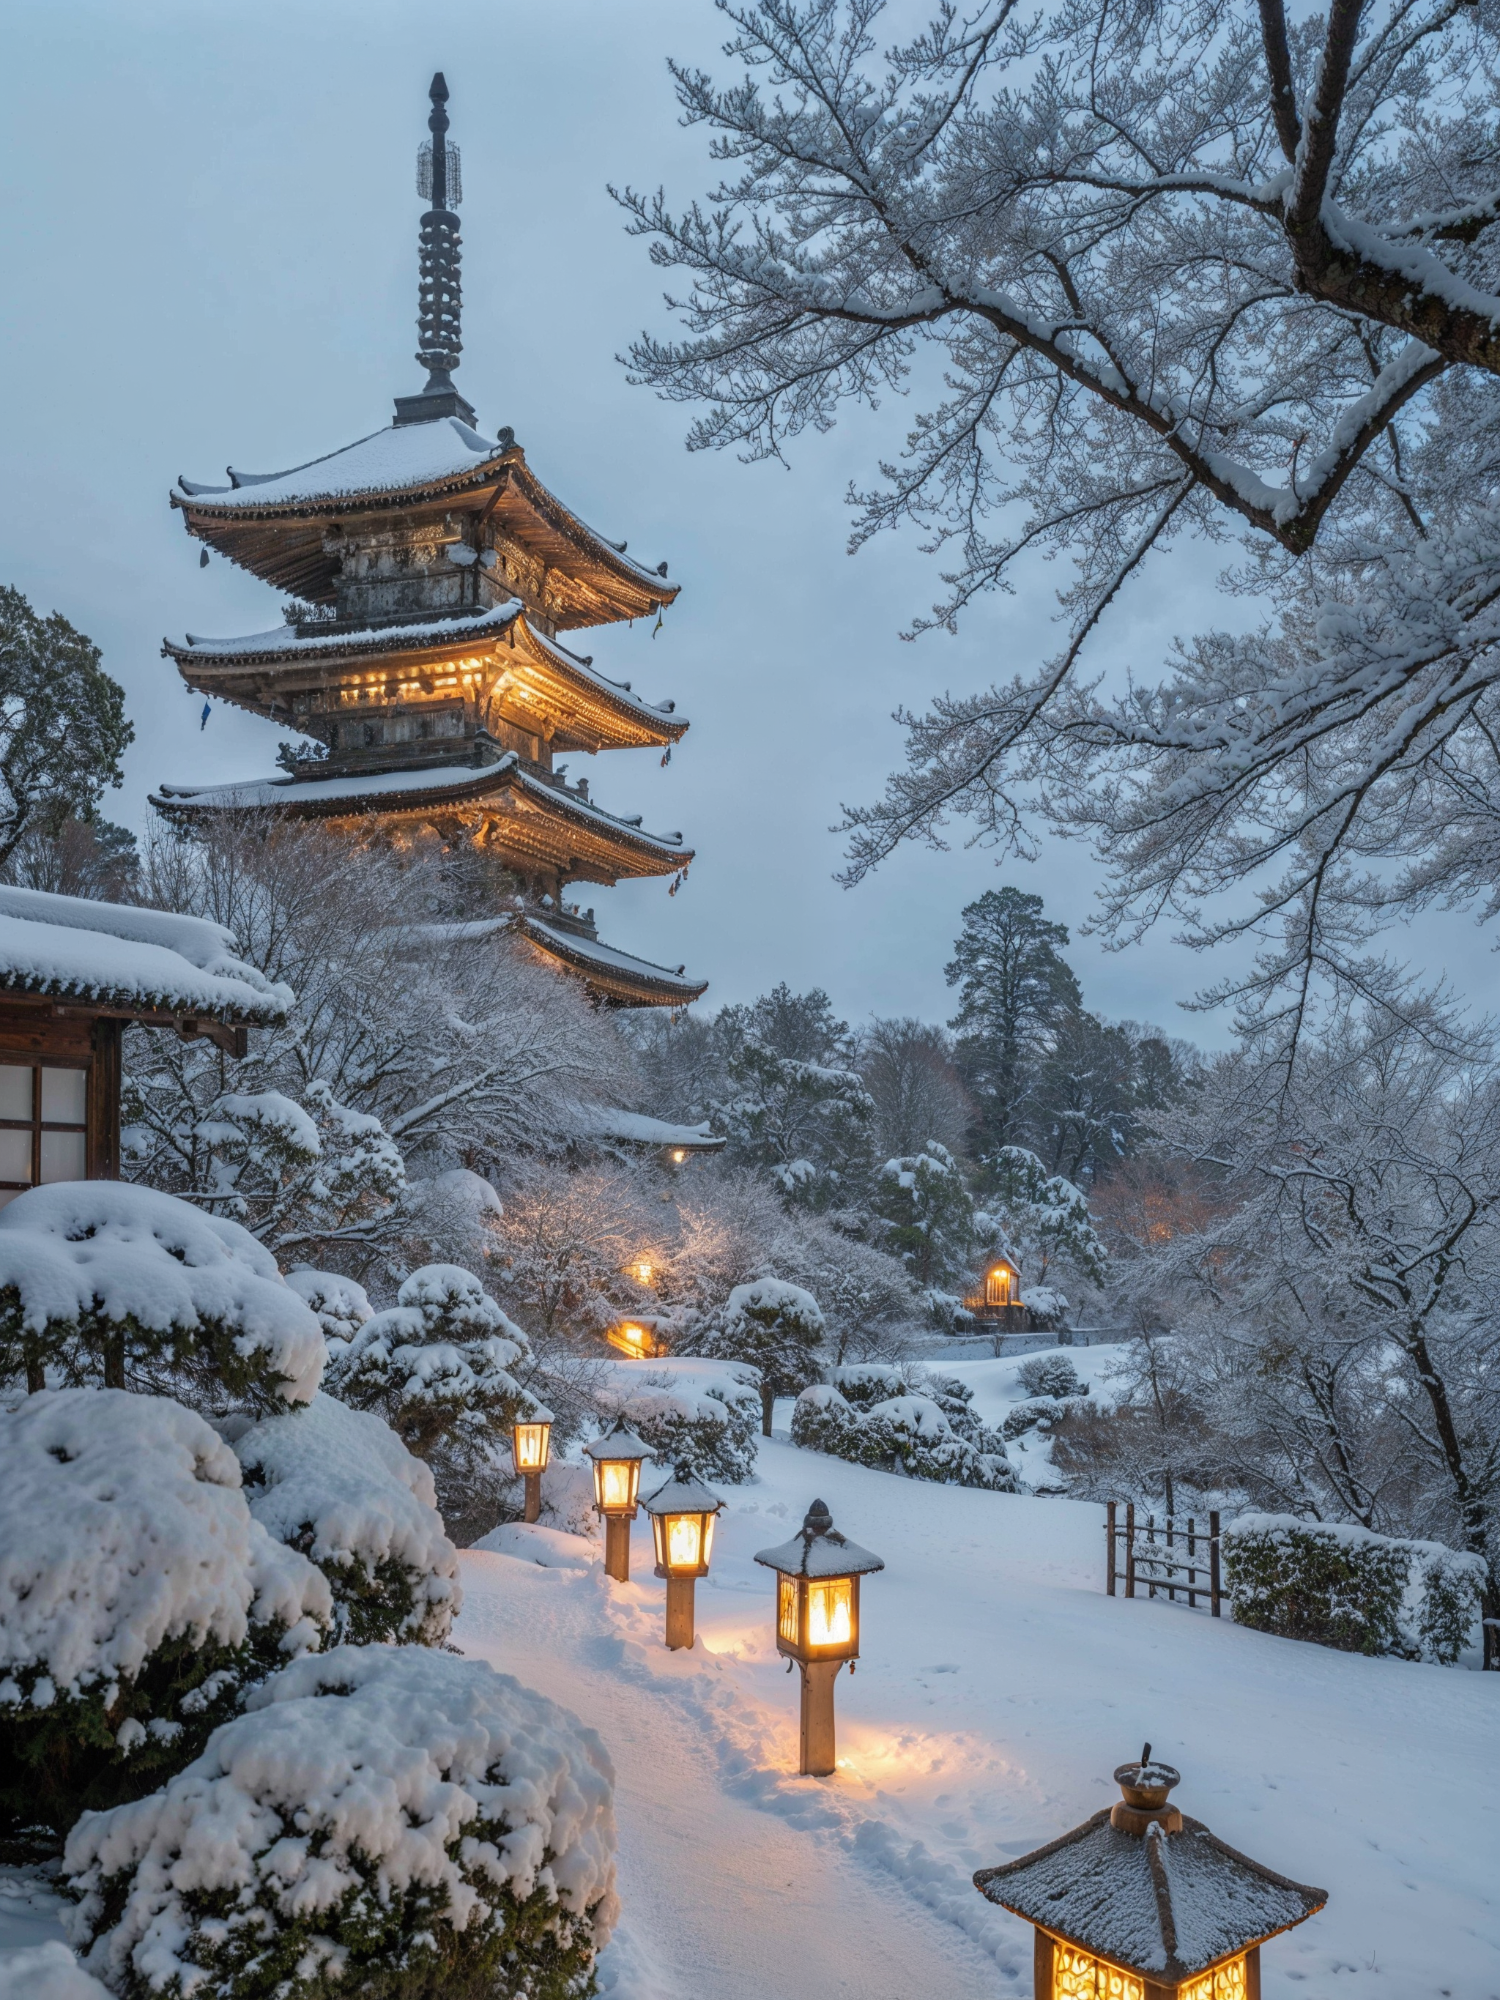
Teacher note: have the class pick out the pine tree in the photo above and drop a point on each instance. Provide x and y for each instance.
(1014, 987)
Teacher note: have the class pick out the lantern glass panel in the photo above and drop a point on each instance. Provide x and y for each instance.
(786, 1609)
(997, 1288)
(615, 1482)
(1224, 1982)
(684, 1540)
(830, 1611)
(1078, 1975)
(532, 1446)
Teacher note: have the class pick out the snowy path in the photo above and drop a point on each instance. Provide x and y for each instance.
(998, 1689)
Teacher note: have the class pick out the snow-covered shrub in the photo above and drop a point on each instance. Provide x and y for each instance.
(706, 1425)
(342, 1306)
(340, 1486)
(1050, 1374)
(138, 1596)
(1341, 1585)
(101, 1281)
(904, 1433)
(1024, 1417)
(396, 1822)
(776, 1328)
(956, 1401)
(925, 1212)
(436, 1366)
(1047, 1307)
(863, 1384)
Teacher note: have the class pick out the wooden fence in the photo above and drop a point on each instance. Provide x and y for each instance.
(1172, 1558)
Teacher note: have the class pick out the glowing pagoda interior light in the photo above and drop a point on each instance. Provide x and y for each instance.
(997, 1287)
(1225, 1982)
(679, 1154)
(1077, 1975)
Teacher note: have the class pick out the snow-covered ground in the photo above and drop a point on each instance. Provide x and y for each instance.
(998, 1689)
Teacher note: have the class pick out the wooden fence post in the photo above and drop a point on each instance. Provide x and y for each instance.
(1192, 1573)
(1213, 1564)
(1130, 1548)
(1109, 1534)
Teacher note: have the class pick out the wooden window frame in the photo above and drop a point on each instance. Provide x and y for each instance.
(37, 1124)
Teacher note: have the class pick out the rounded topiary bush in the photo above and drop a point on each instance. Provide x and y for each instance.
(105, 1283)
(707, 1423)
(393, 1822)
(138, 1598)
(340, 1486)
(907, 1433)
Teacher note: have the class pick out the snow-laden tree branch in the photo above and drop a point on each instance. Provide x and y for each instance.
(1181, 269)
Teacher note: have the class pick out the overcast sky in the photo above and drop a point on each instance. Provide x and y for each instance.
(208, 239)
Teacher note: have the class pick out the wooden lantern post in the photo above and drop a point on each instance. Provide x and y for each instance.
(531, 1447)
(682, 1513)
(1142, 1903)
(617, 1482)
(817, 1622)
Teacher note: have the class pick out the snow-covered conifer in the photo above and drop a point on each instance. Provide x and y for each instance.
(776, 1327)
(138, 1597)
(398, 1821)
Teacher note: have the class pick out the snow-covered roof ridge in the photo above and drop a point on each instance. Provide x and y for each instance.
(287, 640)
(682, 1494)
(818, 1549)
(639, 1128)
(399, 455)
(117, 952)
(1168, 1903)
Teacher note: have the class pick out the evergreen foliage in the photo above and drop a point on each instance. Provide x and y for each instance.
(778, 1329)
(1014, 987)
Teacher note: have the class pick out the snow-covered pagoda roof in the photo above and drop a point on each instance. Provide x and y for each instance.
(818, 1549)
(123, 960)
(590, 710)
(639, 1128)
(547, 816)
(275, 524)
(635, 982)
(1164, 1904)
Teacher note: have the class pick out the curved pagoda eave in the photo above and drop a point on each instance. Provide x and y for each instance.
(616, 977)
(536, 683)
(279, 526)
(525, 819)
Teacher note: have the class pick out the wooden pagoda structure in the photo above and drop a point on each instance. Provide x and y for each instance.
(422, 658)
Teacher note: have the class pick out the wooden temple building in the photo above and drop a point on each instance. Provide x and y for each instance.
(429, 657)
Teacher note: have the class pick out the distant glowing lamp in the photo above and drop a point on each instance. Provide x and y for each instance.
(1173, 1916)
(617, 1481)
(817, 1622)
(531, 1447)
(682, 1513)
(632, 1339)
(641, 1271)
(679, 1154)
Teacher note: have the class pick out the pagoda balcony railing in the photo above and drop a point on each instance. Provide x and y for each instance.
(1012, 1317)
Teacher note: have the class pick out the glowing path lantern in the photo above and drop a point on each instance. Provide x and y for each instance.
(617, 1481)
(531, 1447)
(1142, 1903)
(682, 1524)
(817, 1622)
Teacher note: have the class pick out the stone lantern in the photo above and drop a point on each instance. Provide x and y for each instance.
(1142, 1903)
(683, 1512)
(617, 1460)
(817, 1622)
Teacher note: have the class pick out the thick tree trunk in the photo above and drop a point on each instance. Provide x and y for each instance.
(114, 1361)
(767, 1406)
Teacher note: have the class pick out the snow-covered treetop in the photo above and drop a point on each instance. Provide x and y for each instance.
(342, 1306)
(444, 1340)
(82, 1261)
(122, 1525)
(433, 1773)
(342, 1485)
(767, 1299)
(818, 1549)
(114, 951)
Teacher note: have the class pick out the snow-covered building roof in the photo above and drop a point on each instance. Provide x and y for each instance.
(273, 523)
(121, 959)
(638, 1128)
(633, 982)
(564, 827)
(818, 1549)
(1166, 1904)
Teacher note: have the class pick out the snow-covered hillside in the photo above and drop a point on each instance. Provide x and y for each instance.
(999, 1687)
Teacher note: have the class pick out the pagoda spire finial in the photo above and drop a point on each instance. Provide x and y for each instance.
(439, 296)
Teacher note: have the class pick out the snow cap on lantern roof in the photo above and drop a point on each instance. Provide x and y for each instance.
(682, 1494)
(619, 1441)
(818, 1549)
(1168, 1904)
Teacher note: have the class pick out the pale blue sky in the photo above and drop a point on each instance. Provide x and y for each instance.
(208, 235)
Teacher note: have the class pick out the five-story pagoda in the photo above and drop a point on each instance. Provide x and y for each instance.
(431, 574)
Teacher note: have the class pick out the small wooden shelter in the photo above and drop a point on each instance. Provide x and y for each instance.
(1142, 1903)
(996, 1300)
(73, 975)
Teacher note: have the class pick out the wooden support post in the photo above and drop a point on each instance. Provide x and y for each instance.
(818, 1757)
(1171, 1562)
(1130, 1548)
(1109, 1536)
(1213, 1564)
(617, 1547)
(1192, 1573)
(680, 1612)
(533, 1496)
(1151, 1558)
